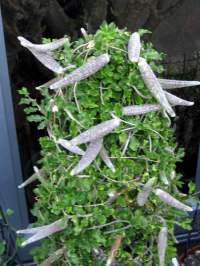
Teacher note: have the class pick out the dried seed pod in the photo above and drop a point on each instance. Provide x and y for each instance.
(89, 156)
(72, 148)
(162, 245)
(42, 47)
(42, 231)
(173, 84)
(171, 201)
(104, 156)
(84, 71)
(134, 47)
(174, 100)
(113, 251)
(144, 194)
(154, 86)
(96, 132)
(44, 57)
(32, 178)
(140, 109)
(53, 257)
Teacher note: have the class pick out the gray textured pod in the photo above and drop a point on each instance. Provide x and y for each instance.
(171, 201)
(134, 47)
(89, 156)
(143, 195)
(140, 109)
(104, 156)
(96, 132)
(31, 179)
(84, 71)
(174, 100)
(42, 47)
(72, 148)
(154, 86)
(162, 245)
(42, 231)
(45, 58)
(173, 84)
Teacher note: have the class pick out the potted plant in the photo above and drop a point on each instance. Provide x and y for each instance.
(108, 192)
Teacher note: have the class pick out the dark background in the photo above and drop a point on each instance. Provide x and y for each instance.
(175, 31)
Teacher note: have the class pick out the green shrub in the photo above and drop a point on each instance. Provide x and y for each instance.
(151, 152)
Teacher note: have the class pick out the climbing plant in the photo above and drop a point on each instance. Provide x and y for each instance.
(108, 191)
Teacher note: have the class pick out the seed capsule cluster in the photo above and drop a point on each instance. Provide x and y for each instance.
(93, 137)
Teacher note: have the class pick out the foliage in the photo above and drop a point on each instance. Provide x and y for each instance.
(152, 152)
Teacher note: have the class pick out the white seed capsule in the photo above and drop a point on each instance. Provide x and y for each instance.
(44, 57)
(171, 201)
(140, 109)
(84, 71)
(134, 47)
(89, 156)
(162, 245)
(173, 84)
(96, 132)
(42, 231)
(32, 178)
(53, 257)
(42, 47)
(174, 100)
(154, 86)
(104, 156)
(144, 194)
(72, 148)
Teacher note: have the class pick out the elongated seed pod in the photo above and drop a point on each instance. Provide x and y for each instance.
(140, 109)
(47, 60)
(43, 231)
(173, 84)
(96, 132)
(84, 71)
(42, 47)
(134, 47)
(171, 201)
(104, 156)
(89, 156)
(44, 57)
(174, 100)
(154, 86)
(162, 245)
(72, 148)
(53, 257)
(144, 194)
(31, 179)
(113, 251)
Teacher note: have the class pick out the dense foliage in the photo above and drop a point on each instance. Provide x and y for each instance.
(151, 152)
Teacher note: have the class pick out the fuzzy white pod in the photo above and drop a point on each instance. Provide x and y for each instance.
(42, 231)
(140, 109)
(174, 100)
(96, 132)
(42, 47)
(173, 84)
(154, 86)
(143, 195)
(104, 156)
(45, 58)
(32, 178)
(134, 47)
(72, 148)
(89, 156)
(171, 201)
(84, 71)
(162, 245)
